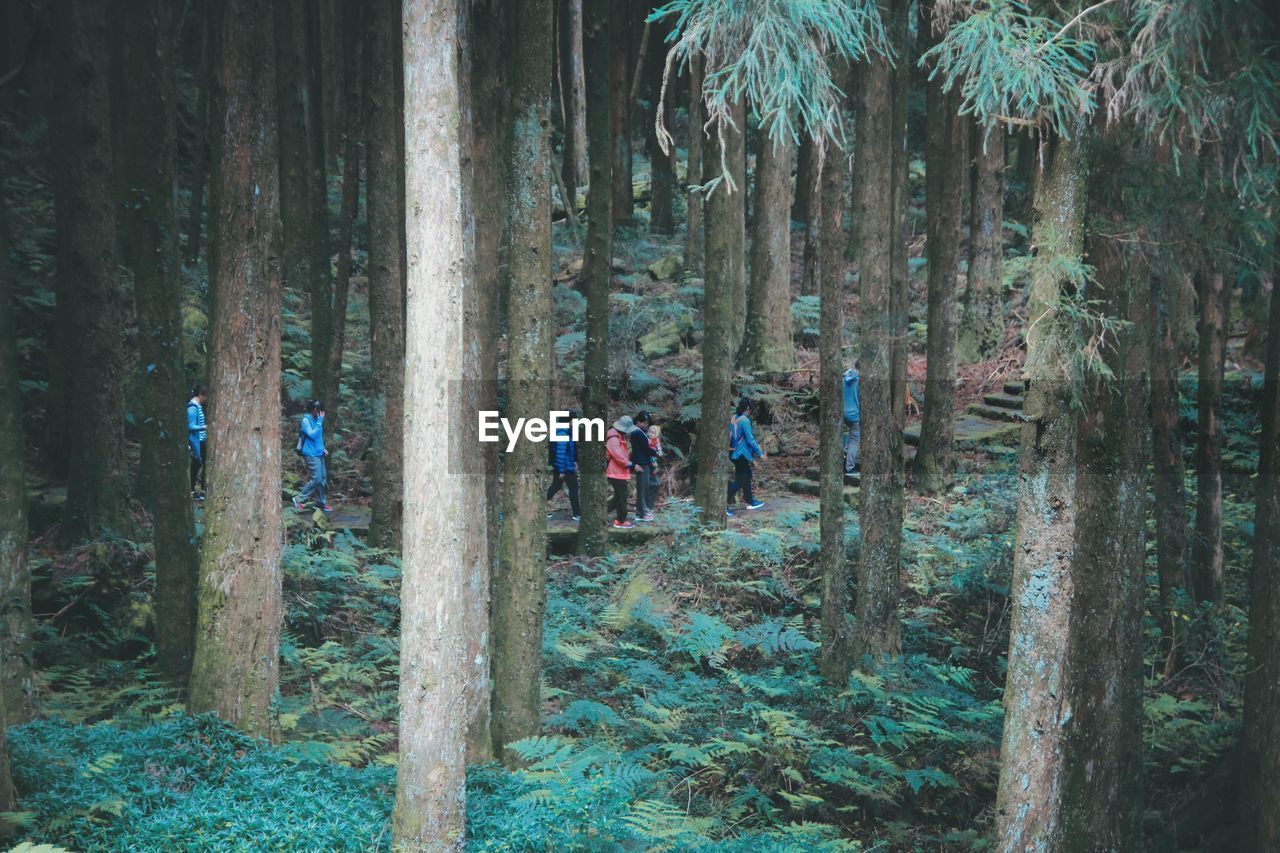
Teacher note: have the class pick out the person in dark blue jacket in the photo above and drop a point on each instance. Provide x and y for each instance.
(743, 449)
(852, 420)
(311, 446)
(642, 455)
(197, 434)
(564, 467)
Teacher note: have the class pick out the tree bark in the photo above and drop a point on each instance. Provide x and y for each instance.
(807, 175)
(879, 212)
(766, 342)
(8, 803)
(724, 222)
(1032, 751)
(1207, 555)
(834, 660)
(596, 268)
(16, 623)
(235, 670)
(624, 201)
(386, 311)
(200, 146)
(694, 240)
(98, 477)
(520, 593)
(440, 638)
(150, 227)
(806, 163)
(573, 96)
(946, 169)
(735, 157)
(1260, 746)
(982, 321)
(662, 180)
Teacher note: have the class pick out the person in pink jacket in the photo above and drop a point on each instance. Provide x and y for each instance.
(618, 467)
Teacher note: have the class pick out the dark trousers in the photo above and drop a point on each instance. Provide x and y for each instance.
(197, 468)
(568, 479)
(741, 481)
(618, 503)
(644, 489)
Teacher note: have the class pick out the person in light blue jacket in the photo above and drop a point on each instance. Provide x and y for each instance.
(743, 449)
(311, 447)
(852, 420)
(197, 435)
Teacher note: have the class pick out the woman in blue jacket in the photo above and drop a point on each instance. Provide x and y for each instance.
(564, 468)
(197, 434)
(743, 449)
(311, 446)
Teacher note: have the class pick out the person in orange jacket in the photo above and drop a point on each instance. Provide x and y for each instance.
(619, 467)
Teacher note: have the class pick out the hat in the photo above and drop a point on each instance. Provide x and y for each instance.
(624, 424)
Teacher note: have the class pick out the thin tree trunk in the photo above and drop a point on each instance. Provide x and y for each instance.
(331, 28)
(573, 167)
(724, 217)
(200, 146)
(150, 226)
(735, 156)
(807, 176)
(662, 181)
(1260, 741)
(982, 320)
(596, 268)
(98, 478)
(1031, 753)
(1170, 474)
(386, 311)
(16, 623)
(443, 495)
(834, 661)
(694, 240)
(624, 201)
(235, 671)
(766, 343)
(806, 157)
(878, 226)
(1207, 555)
(947, 166)
(520, 593)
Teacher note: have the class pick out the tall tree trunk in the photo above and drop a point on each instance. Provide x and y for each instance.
(200, 145)
(150, 226)
(624, 201)
(331, 27)
(572, 96)
(724, 218)
(303, 200)
(1031, 753)
(808, 176)
(597, 263)
(694, 240)
(1207, 555)
(662, 171)
(236, 665)
(98, 478)
(735, 156)
(16, 623)
(834, 661)
(1260, 742)
(520, 591)
(1167, 464)
(1100, 775)
(878, 224)
(806, 163)
(946, 161)
(443, 572)
(766, 343)
(386, 311)
(982, 321)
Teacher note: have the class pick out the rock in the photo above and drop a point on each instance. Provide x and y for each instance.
(665, 338)
(667, 268)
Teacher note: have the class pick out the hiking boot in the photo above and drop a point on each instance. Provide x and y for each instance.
(327, 508)
(755, 505)
(648, 516)
(622, 525)
(576, 517)
(728, 512)
(298, 505)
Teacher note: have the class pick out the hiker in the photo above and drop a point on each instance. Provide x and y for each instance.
(310, 447)
(655, 451)
(564, 467)
(852, 419)
(619, 467)
(197, 434)
(642, 456)
(742, 450)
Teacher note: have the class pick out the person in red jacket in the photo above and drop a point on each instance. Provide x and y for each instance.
(619, 467)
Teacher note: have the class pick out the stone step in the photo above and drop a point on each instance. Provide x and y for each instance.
(805, 486)
(854, 479)
(995, 413)
(972, 431)
(1015, 389)
(1004, 401)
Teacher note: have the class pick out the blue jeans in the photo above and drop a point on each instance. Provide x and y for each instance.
(319, 478)
(852, 444)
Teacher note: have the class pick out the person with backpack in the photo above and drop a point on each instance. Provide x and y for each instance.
(618, 467)
(852, 419)
(743, 449)
(197, 435)
(642, 456)
(563, 456)
(310, 447)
